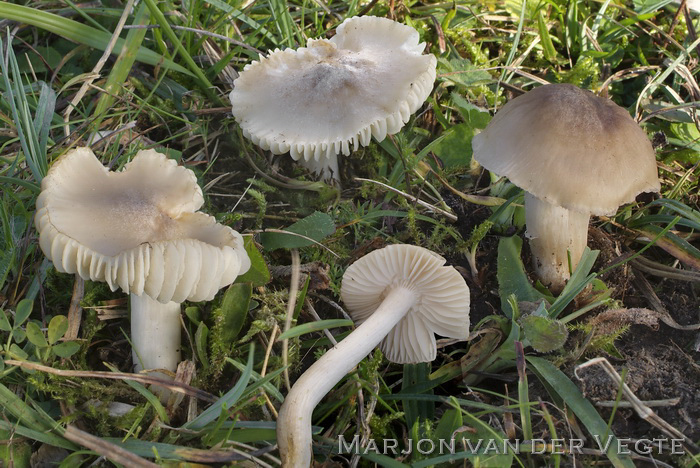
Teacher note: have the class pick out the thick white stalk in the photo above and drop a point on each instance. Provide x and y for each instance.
(553, 231)
(155, 333)
(294, 421)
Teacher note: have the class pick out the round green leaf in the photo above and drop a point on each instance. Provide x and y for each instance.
(58, 326)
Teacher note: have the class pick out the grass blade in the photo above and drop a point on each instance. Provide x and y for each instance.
(226, 401)
(42, 121)
(39, 436)
(314, 326)
(578, 281)
(34, 154)
(204, 83)
(568, 392)
(122, 66)
(80, 33)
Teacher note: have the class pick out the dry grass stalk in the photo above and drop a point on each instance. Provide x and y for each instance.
(173, 386)
(108, 450)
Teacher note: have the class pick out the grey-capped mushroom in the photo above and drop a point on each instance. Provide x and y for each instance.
(333, 95)
(400, 297)
(575, 154)
(138, 230)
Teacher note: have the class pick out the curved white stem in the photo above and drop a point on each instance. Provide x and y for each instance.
(155, 333)
(553, 231)
(294, 421)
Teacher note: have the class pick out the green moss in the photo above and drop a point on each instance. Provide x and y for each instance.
(584, 74)
(381, 424)
(599, 342)
(463, 39)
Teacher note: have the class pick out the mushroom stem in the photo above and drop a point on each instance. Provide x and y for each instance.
(325, 167)
(155, 333)
(294, 421)
(553, 231)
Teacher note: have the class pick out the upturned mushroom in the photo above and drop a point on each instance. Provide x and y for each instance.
(400, 296)
(575, 154)
(333, 95)
(138, 230)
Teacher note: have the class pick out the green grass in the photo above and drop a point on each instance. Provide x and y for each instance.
(166, 87)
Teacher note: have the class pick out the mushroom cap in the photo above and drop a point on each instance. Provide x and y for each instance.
(317, 101)
(442, 306)
(137, 229)
(570, 148)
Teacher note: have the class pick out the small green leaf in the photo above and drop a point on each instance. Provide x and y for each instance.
(445, 24)
(258, 274)
(58, 326)
(474, 77)
(234, 310)
(511, 275)
(450, 421)
(65, 349)
(475, 116)
(314, 326)
(200, 344)
(193, 314)
(544, 334)
(18, 335)
(6, 261)
(4, 322)
(24, 310)
(18, 353)
(454, 149)
(550, 52)
(36, 336)
(312, 228)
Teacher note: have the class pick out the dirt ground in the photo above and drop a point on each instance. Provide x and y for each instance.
(661, 365)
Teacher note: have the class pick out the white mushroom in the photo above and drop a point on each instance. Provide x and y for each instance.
(575, 154)
(400, 296)
(138, 230)
(334, 94)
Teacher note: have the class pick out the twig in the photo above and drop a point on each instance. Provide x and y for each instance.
(627, 404)
(268, 351)
(658, 269)
(256, 452)
(316, 317)
(642, 410)
(201, 32)
(511, 69)
(333, 304)
(106, 449)
(476, 199)
(286, 182)
(98, 66)
(291, 305)
(171, 385)
(367, 7)
(427, 205)
(281, 231)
